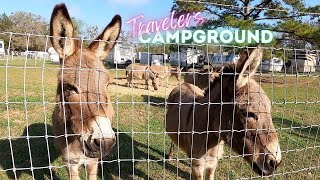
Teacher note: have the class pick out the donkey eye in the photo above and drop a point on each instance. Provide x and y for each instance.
(70, 88)
(249, 115)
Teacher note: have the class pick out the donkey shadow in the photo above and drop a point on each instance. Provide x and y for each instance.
(154, 100)
(129, 149)
(40, 148)
(303, 132)
(20, 155)
(139, 85)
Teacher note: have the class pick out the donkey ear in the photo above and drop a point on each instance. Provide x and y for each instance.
(61, 31)
(247, 63)
(108, 38)
(212, 68)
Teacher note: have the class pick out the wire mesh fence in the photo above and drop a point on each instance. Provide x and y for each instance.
(28, 83)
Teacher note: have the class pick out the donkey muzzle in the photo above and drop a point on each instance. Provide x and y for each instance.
(98, 147)
(101, 141)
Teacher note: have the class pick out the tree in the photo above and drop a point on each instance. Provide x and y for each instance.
(282, 16)
(85, 31)
(91, 32)
(28, 23)
(25, 23)
(79, 26)
(5, 25)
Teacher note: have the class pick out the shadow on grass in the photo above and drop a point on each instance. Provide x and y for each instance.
(128, 149)
(136, 86)
(21, 154)
(154, 100)
(131, 149)
(298, 129)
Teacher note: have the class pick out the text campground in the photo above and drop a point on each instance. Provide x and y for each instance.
(208, 36)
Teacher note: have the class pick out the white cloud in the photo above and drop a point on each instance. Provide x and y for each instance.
(129, 2)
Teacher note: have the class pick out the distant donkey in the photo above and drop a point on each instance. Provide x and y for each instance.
(83, 114)
(239, 115)
(142, 72)
(165, 71)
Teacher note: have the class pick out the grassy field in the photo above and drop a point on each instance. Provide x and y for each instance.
(296, 115)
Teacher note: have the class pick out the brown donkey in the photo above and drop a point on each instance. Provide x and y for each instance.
(239, 115)
(142, 72)
(83, 114)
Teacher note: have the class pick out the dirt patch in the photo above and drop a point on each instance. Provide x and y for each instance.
(119, 88)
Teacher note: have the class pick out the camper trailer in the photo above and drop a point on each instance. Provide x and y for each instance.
(303, 62)
(219, 59)
(53, 55)
(187, 57)
(2, 50)
(273, 65)
(151, 58)
(121, 55)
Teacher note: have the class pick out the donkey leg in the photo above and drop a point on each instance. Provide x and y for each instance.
(129, 81)
(211, 166)
(147, 84)
(171, 150)
(198, 168)
(92, 170)
(214, 154)
(73, 172)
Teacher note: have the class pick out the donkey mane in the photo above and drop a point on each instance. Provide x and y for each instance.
(227, 70)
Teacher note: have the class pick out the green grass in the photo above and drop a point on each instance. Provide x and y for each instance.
(299, 141)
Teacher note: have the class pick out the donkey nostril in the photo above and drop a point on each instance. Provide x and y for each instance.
(97, 142)
(272, 163)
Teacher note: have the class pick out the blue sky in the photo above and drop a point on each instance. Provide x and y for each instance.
(93, 12)
(98, 12)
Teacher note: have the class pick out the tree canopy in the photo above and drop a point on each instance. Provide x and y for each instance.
(290, 19)
(24, 23)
